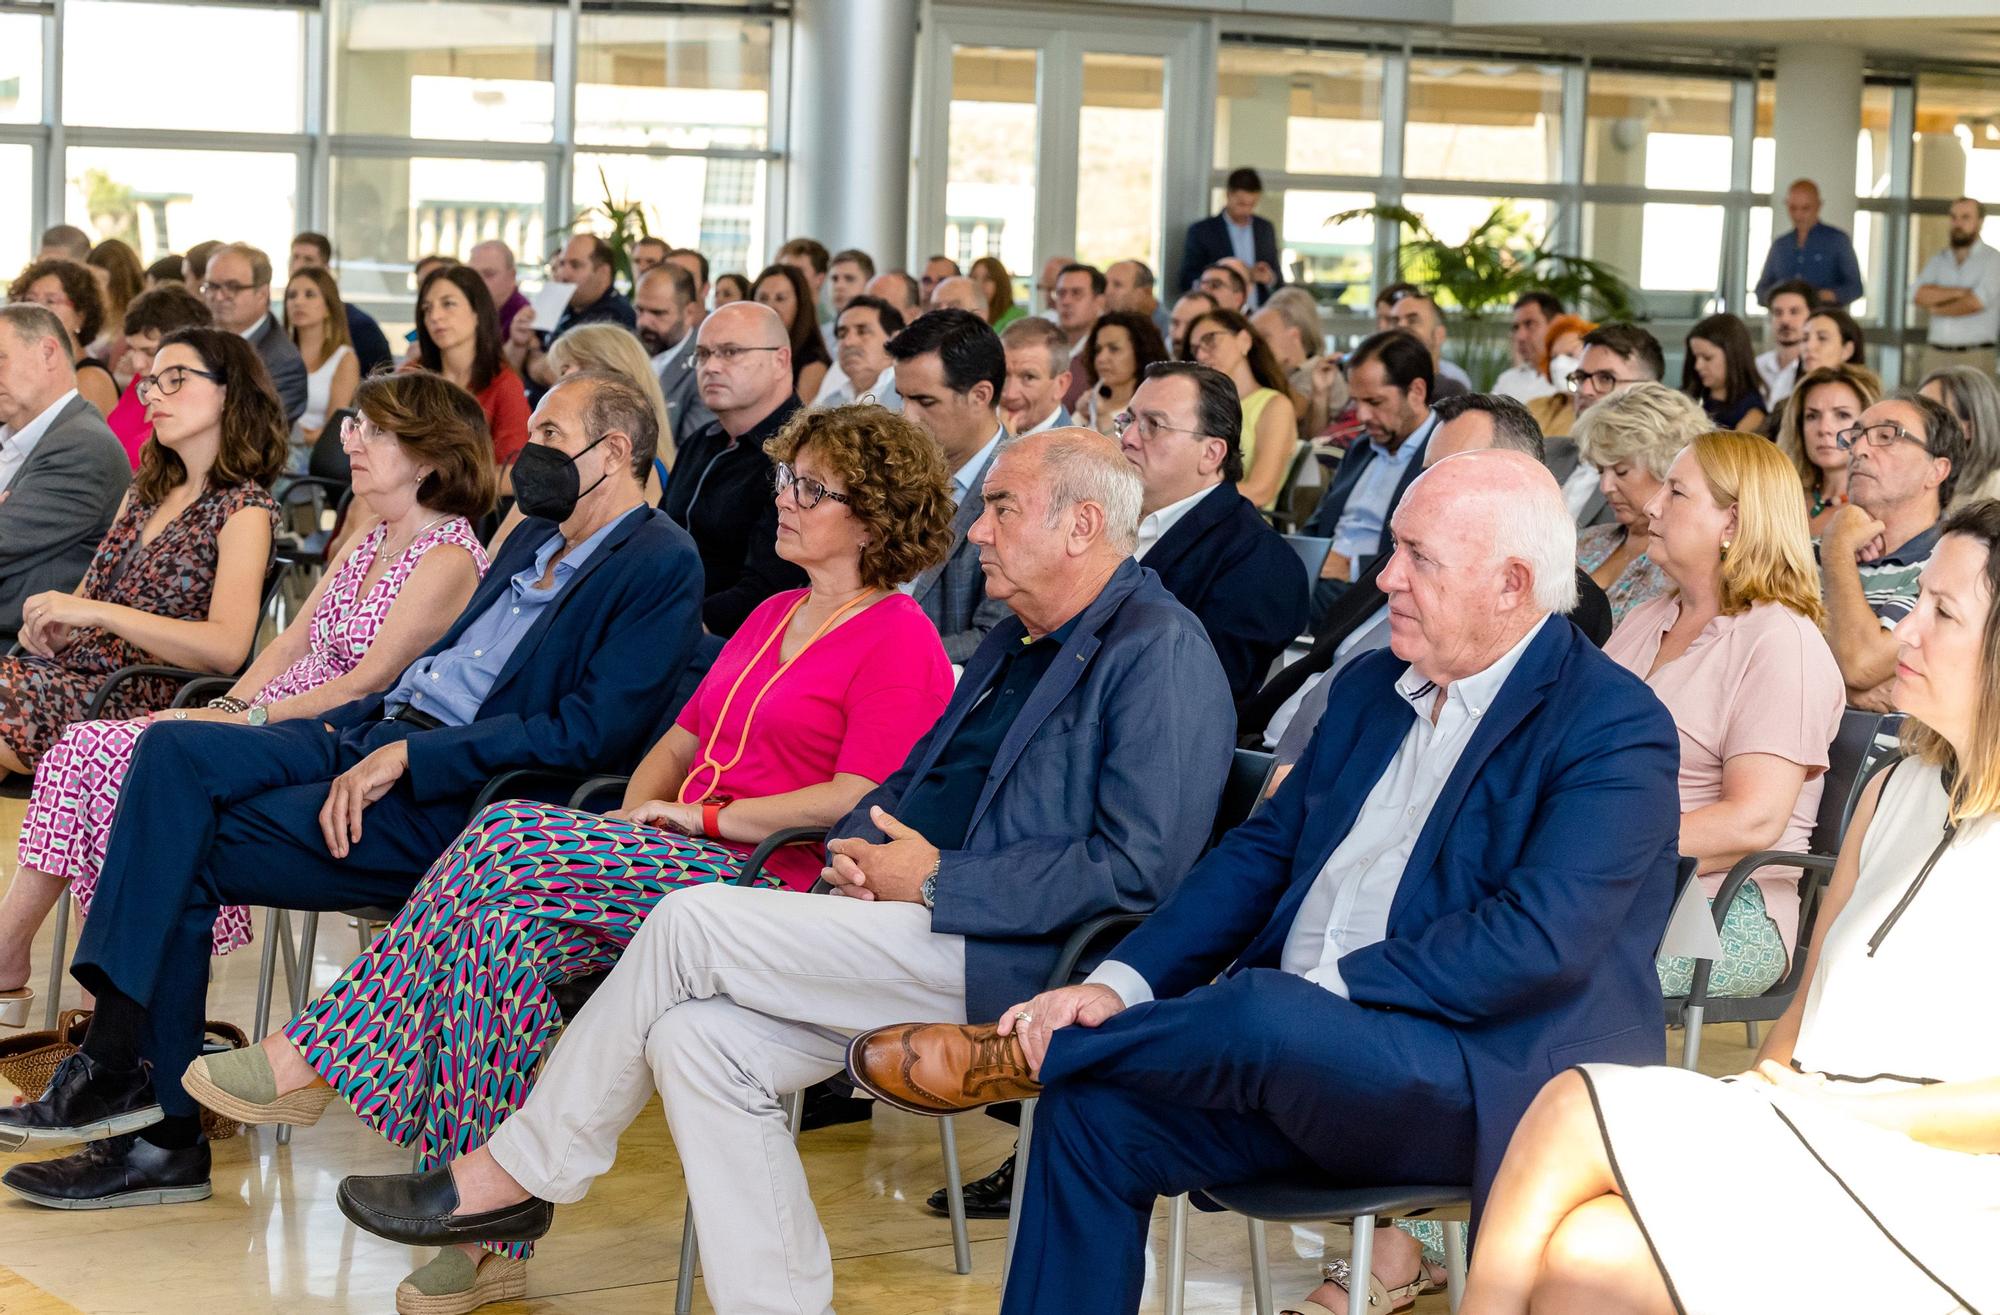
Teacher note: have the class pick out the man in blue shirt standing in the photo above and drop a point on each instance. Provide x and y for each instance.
(1820, 254)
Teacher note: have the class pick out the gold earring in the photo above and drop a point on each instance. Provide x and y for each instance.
(1724, 554)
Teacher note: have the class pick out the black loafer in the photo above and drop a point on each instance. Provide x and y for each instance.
(85, 1101)
(830, 1104)
(418, 1209)
(117, 1172)
(985, 1198)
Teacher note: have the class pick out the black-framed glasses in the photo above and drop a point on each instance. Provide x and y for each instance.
(1147, 427)
(231, 290)
(1602, 380)
(168, 381)
(806, 491)
(1881, 434)
(728, 354)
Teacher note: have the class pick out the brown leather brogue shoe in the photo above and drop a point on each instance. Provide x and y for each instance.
(939, 1068)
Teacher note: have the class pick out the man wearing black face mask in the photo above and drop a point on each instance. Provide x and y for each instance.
(562, 660)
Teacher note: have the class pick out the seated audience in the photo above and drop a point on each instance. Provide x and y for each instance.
(318, 325)
(647, 254)
(735, 287)
(608, 349)
(959, 293)
(1226, 285)
(61, 472)
(784, 290)
(236, 285)
(459, 337)
(1291, 327)
(178, 579)
(1417, 314)
(119, 278)
(997, 286)
(169, 268)
(936, 270)
(847, 276)
(963, 873)
(723, 495)
(1038, 375)
(949, 370)
(861, 334)
(1079, 301)
(1823, 406)
(1719, 370)
(671, 308)
(1631, 440)
(1562, 353)
(493, 261)
(1831, 338)
(1790, 304)
(814, 702)
(1121, 347)
(195, 263)
(68, 290)
(899, 290)
(1188, 308)
(811, 259)
(1735, 652)
(371, 347)
(1903, 459)
(1867, 1122)
(64, 242)
(1223, 340)
(1527, 378)
(1396, 953)
(589, 265)
(559, 662)
(153, 315)
(419, 454)
(1128, 286)
(1615, 356)
(1974, 401)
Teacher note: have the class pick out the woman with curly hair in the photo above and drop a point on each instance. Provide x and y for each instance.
(71, 293)
(434, 1034)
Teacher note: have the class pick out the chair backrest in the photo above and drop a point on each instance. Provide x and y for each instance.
(329, 459)
(1242, 791)
(1311, 550)
(1846, 758)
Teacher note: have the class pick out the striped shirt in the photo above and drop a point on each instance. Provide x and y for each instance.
(1889, 582)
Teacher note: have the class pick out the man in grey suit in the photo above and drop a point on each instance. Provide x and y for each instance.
(670, 315)
(949, 371)
(237, 287)
(61, 471)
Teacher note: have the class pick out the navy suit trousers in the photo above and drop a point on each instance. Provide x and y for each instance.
(1261, 1075)
(214, 814)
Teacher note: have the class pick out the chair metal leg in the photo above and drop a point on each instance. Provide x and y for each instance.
(1260, 1268)
(302, 988)
(1177, 1222)
(1454, 1262)
(58, 960)
(1361, 1254)
(1750, 1033)
(277, 931)
(795, 1112)
(1691, 1037)
(1021, 1144)
(954, 1196)
(690, 1256)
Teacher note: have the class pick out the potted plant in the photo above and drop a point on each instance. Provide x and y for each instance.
(621, 223)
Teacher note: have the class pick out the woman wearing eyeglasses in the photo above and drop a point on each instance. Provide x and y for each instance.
(433, 1035)
(70, 291)
(419, 453)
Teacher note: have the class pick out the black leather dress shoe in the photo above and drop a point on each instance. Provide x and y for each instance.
(985, 1198)
(829, 1104)
(418, 1209)
(117, 1172)
(85, 1101)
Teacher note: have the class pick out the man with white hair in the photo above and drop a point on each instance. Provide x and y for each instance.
(1051, 791)
(1457, 894)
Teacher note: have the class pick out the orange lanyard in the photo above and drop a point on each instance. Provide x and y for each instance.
(708, 759)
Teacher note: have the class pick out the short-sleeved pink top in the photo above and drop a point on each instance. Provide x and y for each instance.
(1762, 681)
(857, 700)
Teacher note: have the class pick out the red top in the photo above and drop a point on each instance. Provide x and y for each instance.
(857, 700)
(505, 403)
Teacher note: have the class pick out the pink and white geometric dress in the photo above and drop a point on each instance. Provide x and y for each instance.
(77, 781)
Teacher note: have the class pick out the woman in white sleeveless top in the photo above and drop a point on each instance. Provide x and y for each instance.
(317, 320)
(1858, 1164)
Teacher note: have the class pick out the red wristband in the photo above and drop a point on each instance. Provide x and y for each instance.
(711, 819)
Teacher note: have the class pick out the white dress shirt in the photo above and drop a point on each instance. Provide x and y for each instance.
(1059, 418)
(16, 446)
(1153, 528)
(1980, 272)
(1779, 380)
(1347, 908)
(1582, 482)
(1523, 383)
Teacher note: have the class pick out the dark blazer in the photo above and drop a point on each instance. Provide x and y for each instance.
(590, 682)
(287, 367)
(953, 593)
(371, 346)
(1239, 578)
(1531, 904)
(1208, 242)
(1101, 795)
(1348, 473)
(57, 506)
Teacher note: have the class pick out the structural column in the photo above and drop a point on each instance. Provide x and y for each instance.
(1818, 114)
(853, 86)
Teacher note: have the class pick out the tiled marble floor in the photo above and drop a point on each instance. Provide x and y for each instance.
(272, 1240)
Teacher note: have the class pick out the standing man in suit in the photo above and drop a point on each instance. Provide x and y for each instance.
(1390, 379)
(1038, 375)
(237, 287)
(950, 369)
(62, 471)
(670, 316)
(1183, 433)
(1054, 788)
(1238, 231)
(562, 660)
(1457, 894)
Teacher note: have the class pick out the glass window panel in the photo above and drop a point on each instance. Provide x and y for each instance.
(1655, 131)
(1871, 144)
(989, 191)
(1760, 243)
(389, 212)
(727, 225)
(1957, 147)
(17, 224)
(1763, 146)
(114, 75)
(686, 82)
(1671, 253)
(1484, 121)
(417, 68)
(1302, 111)
(1336, 262)
(20, 68)
(163, 201)
(1121, 147)
(1871, 238)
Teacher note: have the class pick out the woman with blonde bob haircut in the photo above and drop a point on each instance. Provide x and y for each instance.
(1823, 404)
(1631, 438)
(1872, 1113)
(1736, 654)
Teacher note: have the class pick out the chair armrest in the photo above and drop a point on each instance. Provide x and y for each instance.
(126, 675)
(771, 844)
(585, 798)
(537, 783)
(1725, 895)
(196, 693)
(1085, 938)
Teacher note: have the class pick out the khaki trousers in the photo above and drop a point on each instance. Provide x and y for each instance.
(1936, 358)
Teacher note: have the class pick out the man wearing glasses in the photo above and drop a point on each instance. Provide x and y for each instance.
(1615, 356)
(237, 287)
(1904, 455)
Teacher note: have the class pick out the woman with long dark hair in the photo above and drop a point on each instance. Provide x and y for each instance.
(1720, 372)
(458, 336)
(785, 290)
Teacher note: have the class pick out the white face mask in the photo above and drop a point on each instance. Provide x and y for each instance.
(1560, 369)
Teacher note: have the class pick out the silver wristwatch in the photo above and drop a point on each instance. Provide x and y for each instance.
(928, 891)
(257, 716)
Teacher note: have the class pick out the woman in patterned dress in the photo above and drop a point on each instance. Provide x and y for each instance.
(1631, 437)
(177, 580)
(420, 453)
(433, 1034)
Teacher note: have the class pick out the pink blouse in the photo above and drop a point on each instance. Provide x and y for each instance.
(1763, 681)
(857, 701)
(128, 421)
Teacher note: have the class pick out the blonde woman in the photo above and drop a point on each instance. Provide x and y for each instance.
(1823, 404)
(1631, 438)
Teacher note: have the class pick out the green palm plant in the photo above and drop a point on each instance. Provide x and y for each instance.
(620, 222)
(1481, 277)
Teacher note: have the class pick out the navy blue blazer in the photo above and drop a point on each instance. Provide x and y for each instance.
(1241, 580)
(589, 683)
(1531, 906)
(1102, 793)
(1348, 473)
(1208, 241)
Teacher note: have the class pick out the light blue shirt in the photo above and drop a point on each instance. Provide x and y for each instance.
(961, 479)
(1362, 520)
(1242, 242)
(453, 684)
